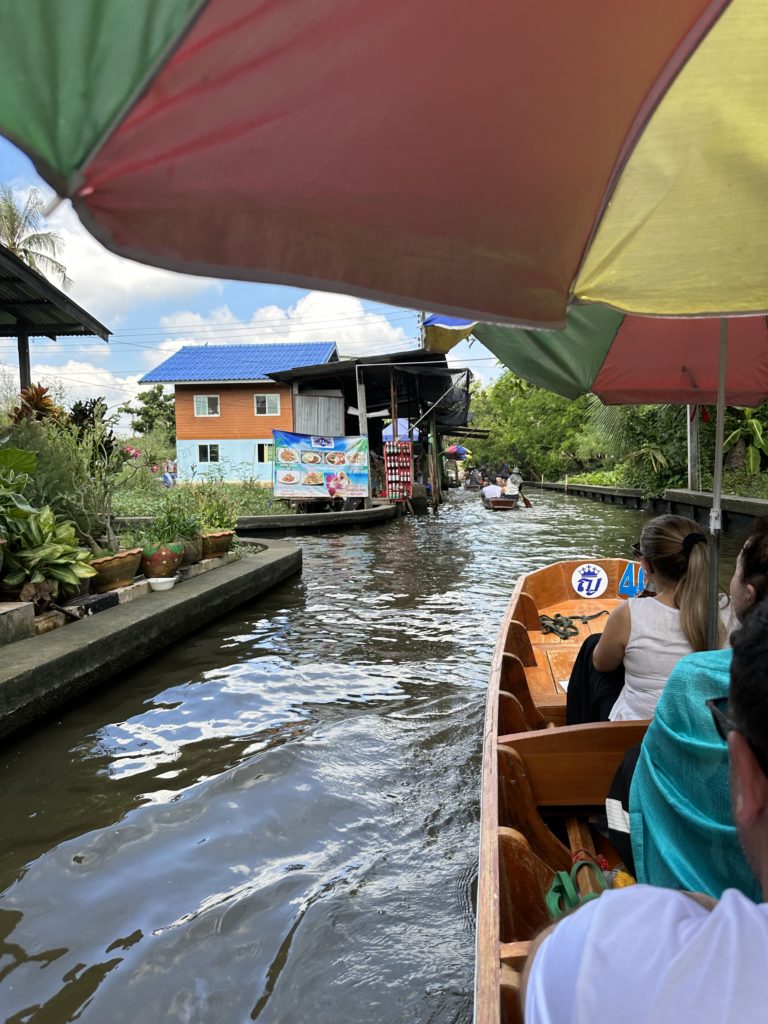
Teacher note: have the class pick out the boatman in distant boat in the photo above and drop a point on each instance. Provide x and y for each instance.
(516, 479)
(492, 490)
(645, 955)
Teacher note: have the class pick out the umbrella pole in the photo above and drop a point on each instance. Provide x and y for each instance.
(715, 515)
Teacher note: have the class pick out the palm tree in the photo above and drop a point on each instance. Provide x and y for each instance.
(20, 232)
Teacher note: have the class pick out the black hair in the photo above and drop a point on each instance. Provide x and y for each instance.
(754, 558)
(748, 695)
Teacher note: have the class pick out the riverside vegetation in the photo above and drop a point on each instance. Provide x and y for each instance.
(67, 481)
(641, 446)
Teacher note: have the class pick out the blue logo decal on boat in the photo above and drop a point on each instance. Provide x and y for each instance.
(589, 580)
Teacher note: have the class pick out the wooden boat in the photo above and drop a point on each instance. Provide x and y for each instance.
(501, 504)
(541, 778)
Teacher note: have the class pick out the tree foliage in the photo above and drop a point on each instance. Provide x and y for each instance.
(540, 431)
(154, 408)
(21, 231)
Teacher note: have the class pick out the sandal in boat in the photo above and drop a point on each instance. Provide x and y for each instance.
(563, 895)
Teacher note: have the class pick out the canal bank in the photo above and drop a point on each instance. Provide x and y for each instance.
(40, 674)
(738, 512)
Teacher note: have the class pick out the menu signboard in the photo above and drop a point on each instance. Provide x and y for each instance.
(310, 466)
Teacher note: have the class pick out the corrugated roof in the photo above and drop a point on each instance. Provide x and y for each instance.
(30, 304)
(237, 362)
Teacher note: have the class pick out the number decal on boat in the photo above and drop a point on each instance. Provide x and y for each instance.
(589, 580)
(632, 582)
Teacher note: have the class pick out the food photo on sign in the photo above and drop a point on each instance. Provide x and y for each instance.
(310, 466)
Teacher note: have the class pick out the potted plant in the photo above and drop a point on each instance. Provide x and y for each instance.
(218, 516)
(43, 559)
(178, 518)
(115, 568)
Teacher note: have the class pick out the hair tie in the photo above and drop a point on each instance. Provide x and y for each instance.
(689, 540)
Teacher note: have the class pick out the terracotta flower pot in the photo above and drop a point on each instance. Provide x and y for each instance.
(115, 571)
(193, 550)
(160, 560)
(216, 544)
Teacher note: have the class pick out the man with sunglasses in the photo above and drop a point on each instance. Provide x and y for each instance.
(646, 954)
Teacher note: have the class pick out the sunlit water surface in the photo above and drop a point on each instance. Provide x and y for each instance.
(277, 819)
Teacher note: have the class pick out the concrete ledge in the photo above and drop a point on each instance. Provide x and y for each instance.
(307, 522)
(17, 621)
(40, 674)
(630, 497)
(738, 512)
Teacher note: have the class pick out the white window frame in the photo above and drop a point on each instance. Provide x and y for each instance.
(208, 445)
(269, 448)
(266, 395)
(204, 415)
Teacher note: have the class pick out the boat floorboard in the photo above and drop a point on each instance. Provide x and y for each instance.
(555, 657)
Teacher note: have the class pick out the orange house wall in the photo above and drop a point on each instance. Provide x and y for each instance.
(237, 419)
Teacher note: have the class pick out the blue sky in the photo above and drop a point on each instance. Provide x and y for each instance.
(152, 312)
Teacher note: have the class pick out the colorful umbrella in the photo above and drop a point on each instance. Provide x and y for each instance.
(603, 151)
(457, 452)
(628, 359)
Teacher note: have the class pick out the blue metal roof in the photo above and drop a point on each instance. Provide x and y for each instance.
(238, 362)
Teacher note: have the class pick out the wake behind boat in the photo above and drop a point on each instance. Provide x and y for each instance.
(541, 779)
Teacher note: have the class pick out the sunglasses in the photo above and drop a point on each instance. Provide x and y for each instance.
(718, 707)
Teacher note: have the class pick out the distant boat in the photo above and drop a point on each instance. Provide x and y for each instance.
(541, 779)
(503, 504)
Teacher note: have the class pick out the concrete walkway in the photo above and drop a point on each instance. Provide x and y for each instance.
(40, 674)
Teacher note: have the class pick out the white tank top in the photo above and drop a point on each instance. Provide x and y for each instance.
(656, 644)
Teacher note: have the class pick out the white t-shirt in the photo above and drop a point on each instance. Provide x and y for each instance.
(491, 491)
(643, 955)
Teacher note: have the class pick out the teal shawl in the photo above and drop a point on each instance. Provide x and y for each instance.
(682, 830)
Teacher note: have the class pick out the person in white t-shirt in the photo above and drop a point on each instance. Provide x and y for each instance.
(492, 490)
(643, 955)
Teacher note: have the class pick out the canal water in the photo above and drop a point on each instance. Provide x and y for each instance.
(277, 819)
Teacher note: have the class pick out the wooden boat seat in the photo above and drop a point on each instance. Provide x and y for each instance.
(572, 766)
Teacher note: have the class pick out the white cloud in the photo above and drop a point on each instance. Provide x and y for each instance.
(317, 316)
(108, 286)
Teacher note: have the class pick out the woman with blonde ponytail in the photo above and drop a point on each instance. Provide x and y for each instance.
(621, 674)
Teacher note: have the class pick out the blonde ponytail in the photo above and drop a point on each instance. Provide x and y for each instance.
(665, 544)
(692, 598)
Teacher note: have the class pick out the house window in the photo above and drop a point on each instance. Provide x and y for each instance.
(207, 453)
(266, 405)
(207, 405)
(264, 452)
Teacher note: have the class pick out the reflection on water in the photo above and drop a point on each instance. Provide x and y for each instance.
(276, 819)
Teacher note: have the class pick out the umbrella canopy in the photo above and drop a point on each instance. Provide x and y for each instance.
(457, 452)
(610, 152)
(629, 360)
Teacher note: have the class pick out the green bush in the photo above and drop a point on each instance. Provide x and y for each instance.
(43, 557)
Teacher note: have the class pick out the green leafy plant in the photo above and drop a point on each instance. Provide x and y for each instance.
(215, 505)
(177, 518)
(13, 505)
(43, 557)
(749, 435)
